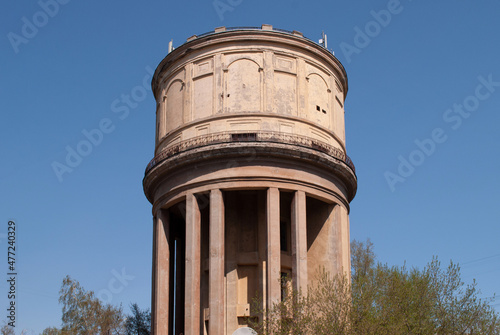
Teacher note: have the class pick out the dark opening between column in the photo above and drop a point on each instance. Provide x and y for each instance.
(177, 266)
(204, 205)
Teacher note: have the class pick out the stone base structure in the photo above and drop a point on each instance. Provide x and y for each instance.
(250, 182)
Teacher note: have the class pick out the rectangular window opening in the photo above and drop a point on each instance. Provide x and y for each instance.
(283, 236)
(244, 137)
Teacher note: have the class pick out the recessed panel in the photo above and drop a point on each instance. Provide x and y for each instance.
(283, 63)
(203, 67)
(203, 96)
(285, 97)
(174, 105)
(242, 87)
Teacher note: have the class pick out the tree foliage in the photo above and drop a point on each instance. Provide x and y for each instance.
(384, 300)
(84, 314)
(318, 312)
(51, 331)
(139, 323)
(7, 330)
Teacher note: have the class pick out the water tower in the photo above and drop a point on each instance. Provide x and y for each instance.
(250, 181)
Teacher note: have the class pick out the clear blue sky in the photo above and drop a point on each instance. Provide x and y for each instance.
(61, 76)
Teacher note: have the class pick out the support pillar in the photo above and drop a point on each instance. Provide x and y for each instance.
(345, 244)
(161, 274)
(299, 242)
(273, 247)
(216, 264)
(193, 267)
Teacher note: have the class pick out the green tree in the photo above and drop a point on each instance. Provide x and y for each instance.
(395, 300)
(84, 314)
(458, 310)
(325, 309)
(330, 303)
(290, 316)
(139, 323)
(384, 300)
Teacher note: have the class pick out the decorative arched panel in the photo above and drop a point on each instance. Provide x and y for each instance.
(243, 87)
(319, 100)
(174, 105)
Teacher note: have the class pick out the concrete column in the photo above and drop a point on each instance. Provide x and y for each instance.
(216, 264)
(231, 264)
(193, 267)
(331, 261)
(299, 242)
(345, 244)
(273, 247)
(161, 272)
(262, 251)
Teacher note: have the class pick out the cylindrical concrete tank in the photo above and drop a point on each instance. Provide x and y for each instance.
(250, 181)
